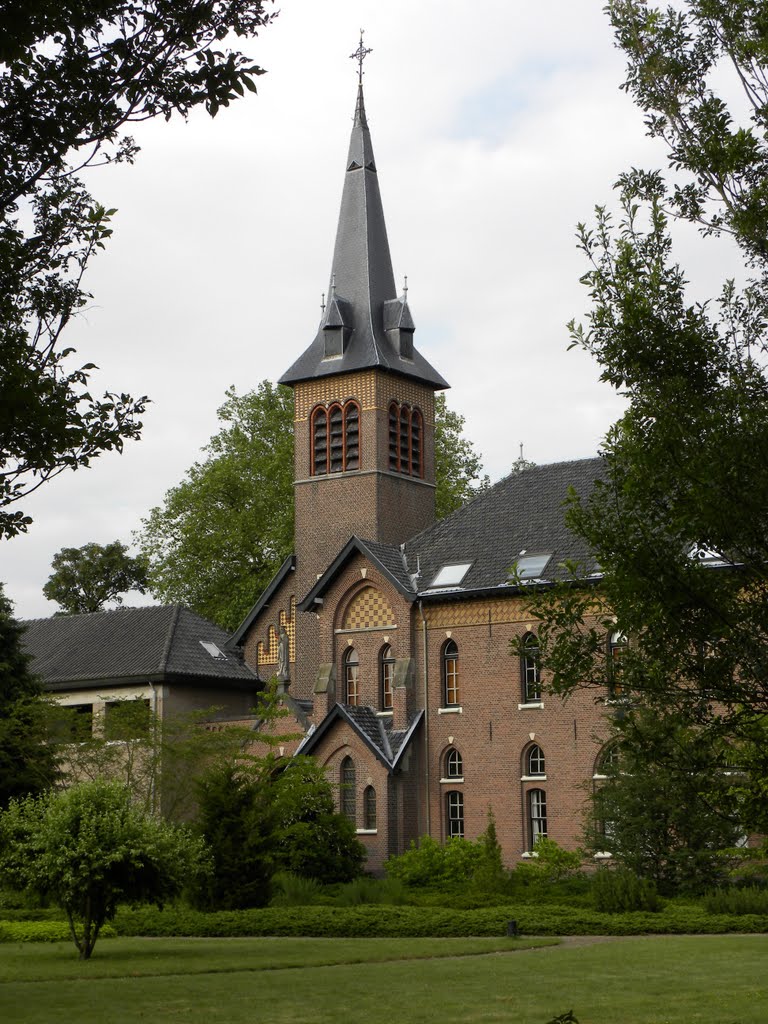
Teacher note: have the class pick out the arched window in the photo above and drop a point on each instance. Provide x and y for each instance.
(335, 438)
(529, 669)
(319, 441)
(369, 808)
(348, 789)
(454, 765)
(454, 814)
(387, 677)
(537, 816)
(534, 761)
(406, 440)
(451, 693)
(351, 677)
(417, 423)
(608, 760)
(617, 646)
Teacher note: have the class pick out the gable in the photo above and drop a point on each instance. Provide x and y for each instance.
(368, 609)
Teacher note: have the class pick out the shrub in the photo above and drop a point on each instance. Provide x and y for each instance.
(390, 891)
(750, 899)
(618, 890)
(43, 931)
(435, 864)
(291, 890)
(549, 864)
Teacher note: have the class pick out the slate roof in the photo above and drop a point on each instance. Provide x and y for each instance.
(157, 643)
(386, 743)
(522, 512)
(362, 280)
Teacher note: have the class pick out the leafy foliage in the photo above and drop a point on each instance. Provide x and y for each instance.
(84, 579)
(89, 849)
(663, 812)
(72, 76)
(27, 762)
(550, 864)
(679, 526)
(619, 891)
(222, 533)
(457, 464)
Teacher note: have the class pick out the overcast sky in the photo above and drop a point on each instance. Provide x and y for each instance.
(497, 126)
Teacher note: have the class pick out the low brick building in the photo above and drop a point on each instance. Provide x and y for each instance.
(390, 631)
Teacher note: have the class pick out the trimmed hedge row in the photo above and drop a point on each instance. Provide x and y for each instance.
(415, 922)
(43, 931)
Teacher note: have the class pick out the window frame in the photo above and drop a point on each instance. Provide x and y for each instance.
(449, 670)
(530, 670)
(348, 789)
(406, 439)
(346, 448)
(351, 677)
(369, 809)
(453, 764)
(536, 804)
(454, 814)
(541, 761)
(387, 678)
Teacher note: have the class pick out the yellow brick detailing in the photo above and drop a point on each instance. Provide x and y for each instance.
(308, 394)
(368, 610)
(267, 652)
(372, 389)
(476, 613)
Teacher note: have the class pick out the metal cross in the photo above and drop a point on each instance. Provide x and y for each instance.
(359, 55)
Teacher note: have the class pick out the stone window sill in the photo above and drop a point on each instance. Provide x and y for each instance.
(534, 704)
(533, 778)
(454, 709)
(458, 778)
(366, 831)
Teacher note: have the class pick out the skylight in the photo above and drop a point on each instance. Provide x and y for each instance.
(213, 650)
(451, 575)
(530, 566)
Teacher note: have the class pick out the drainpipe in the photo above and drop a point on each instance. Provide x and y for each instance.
(155, 765)
(427, 780)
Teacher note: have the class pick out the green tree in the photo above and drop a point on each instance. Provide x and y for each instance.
(90, 849)
(458, 467)
(679, 525)
(663, 811)
(222, 533)
(85, 579)
(27, 761)
(73, 75)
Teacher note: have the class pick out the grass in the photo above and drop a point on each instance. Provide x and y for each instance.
(657, 980)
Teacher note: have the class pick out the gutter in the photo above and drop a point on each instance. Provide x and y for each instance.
(426, 716)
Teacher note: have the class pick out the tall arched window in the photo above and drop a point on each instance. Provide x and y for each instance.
(454, 765)
(537, 815)
(534, 761)
(369, 808)
(387, 677)
(335, 438)
(454, 814)
(406, 440)
(451, 692)
(351, 677)
(529, 669)
(617, 646)
(348, 781)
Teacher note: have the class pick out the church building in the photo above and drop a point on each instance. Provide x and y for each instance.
(389, 631)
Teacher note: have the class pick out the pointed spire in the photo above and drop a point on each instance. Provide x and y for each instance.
(362, 280)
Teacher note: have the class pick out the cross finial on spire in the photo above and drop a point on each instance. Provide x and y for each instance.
(405, 286)
(359, 55)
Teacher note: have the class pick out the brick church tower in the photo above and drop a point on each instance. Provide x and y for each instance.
(364, 396)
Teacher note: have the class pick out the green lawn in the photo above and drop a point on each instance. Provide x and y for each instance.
(658, 980)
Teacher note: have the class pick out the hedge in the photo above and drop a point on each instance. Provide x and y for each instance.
(383, 921)
(43, 931)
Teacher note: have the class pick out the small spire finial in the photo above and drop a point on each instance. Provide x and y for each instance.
(521, 452)
(405, 286)
(322, 302)
(333, 284)
(359, 55)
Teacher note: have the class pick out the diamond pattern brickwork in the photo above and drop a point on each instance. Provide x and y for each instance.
(369, 609)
